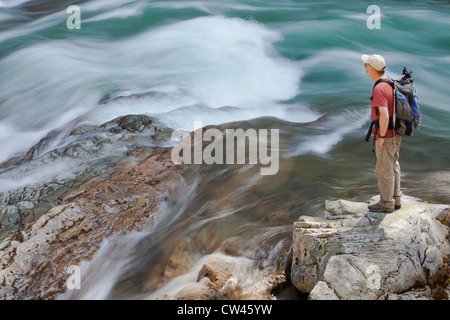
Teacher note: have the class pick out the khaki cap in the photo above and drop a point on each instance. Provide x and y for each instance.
(375, 60)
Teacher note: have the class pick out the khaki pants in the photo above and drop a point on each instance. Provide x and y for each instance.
(388, 172)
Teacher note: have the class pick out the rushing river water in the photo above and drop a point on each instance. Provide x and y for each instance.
(289, 65)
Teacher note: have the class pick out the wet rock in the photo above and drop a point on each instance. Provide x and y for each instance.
(65, 159)
(281, 277)
(212, 281)
(35, 264)
(63, 222)
(193, 291)
(9, 210)
(9, 216)
(221, 276)
(356, 254)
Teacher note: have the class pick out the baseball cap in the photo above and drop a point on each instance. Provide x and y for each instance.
(375, 60)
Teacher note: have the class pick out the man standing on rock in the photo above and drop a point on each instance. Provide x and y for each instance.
(387, 140)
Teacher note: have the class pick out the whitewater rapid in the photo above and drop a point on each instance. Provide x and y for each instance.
(195, 67)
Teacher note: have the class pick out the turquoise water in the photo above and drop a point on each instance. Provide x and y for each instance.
(290, 65)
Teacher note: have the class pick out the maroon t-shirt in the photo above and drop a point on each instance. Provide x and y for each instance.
(383, 96)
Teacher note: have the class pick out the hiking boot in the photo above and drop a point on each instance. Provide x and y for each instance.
(379, 208)
(397, 207)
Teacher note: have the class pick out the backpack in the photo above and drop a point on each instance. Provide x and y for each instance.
(406, 116)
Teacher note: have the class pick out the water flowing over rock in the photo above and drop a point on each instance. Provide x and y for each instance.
(126, 194)
(64, 160)
(227, 274)
(121, 177)
(354, 254)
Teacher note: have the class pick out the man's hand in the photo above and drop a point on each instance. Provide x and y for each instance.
(380, 142)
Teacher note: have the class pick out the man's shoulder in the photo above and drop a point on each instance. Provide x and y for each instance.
(385, 82)
(384, 86)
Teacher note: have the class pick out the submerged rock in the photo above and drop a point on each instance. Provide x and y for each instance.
(356, 254)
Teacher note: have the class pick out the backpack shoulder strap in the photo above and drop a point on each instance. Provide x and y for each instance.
(384, 80)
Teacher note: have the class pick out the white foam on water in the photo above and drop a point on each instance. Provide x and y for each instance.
(98, 280)
(122, 12)
(209, 62)
(251, 280)
(219, 7)
(335, 129)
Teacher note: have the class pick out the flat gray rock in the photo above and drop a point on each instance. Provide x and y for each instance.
(353, 253)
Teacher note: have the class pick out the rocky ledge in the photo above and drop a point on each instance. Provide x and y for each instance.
(121, 177)
(353, 254)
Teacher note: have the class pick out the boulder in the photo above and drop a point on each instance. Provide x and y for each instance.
(352, 253)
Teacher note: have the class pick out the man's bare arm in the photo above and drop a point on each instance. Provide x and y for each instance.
(384, 123)
(384, 120)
